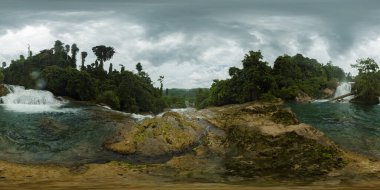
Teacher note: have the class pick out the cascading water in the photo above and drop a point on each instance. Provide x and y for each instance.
(342, 89)
(28, 100)
(36, 127)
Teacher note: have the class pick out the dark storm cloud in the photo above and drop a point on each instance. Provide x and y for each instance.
(199, 34)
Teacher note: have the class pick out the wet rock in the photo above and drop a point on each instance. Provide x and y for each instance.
(327, 93)
(285, 116)
(159, 136)
(3, 91)
(261, 109)
(271, 142)
(49, 125)
(251, 153)
(303, 97)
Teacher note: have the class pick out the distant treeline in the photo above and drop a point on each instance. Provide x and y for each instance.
(289, 77)
(182, 98)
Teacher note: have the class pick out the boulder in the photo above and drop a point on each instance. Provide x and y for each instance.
(158, 136)
(3, 90)
(327, 93)
(271, 142)
(50, 126)
(303, 97)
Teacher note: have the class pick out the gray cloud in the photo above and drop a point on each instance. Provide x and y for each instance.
(193, 42)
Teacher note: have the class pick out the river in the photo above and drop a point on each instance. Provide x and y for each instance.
(353, 127)
(38, 128)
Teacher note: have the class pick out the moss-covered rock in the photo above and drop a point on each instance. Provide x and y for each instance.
(303, 97)
(285, 116)
(251, 153)
(158, 136)
(266, 140)
(51, 126)
(3, 90)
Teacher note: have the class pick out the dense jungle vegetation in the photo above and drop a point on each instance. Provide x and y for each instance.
(56, 70)
(289, 77)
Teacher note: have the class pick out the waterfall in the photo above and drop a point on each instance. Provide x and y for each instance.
(342, 89)
(28, 100)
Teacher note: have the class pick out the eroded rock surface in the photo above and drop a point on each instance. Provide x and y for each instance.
(266, 139)
(248, 140)
(159, 136)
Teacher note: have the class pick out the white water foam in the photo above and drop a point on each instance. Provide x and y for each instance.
(31, 101)
(342, 89)
(320, 101)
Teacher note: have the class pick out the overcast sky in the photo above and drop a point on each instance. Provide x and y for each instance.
(192, 42)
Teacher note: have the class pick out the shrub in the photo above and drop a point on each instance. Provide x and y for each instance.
(109, 98)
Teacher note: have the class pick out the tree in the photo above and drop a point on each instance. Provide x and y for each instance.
(367, 83)
(103, 53)
(233, 71)
(29, 51)
(83, 56)
(122, 68)
(139, 67)
(67, 48)
(4, 64)
(366, 66)
(253, 59)
(58, 47)
(110, 69)
(1, 77)
(161, 80)
(74, 51)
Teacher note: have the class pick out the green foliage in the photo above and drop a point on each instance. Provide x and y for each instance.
(267, 97)
(246, 84)
(69, 82)
(54, 70)
(175, 101)
(366, 66)
(290, 76)
(367, 83)
(201, 98)
(109, 98)
(103, 53)
(180, 98)
(1, 77)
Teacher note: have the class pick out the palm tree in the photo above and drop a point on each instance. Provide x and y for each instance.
(83, 56)
(103, 53)
(74, 51)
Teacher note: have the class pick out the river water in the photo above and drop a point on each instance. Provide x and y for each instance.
(353, 127)
(36, 127)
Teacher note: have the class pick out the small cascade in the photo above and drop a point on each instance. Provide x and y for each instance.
(342, 89)
(28, 100)
(19, 95)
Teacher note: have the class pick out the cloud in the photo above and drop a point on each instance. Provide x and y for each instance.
(193, 42)
(15, 42)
